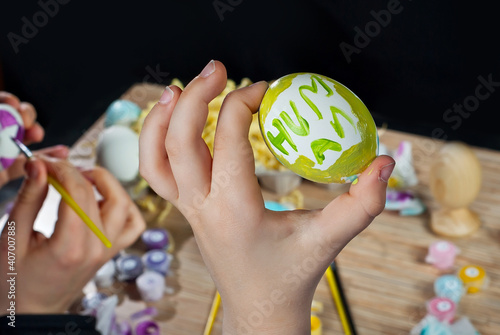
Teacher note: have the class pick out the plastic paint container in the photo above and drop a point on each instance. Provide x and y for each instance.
(442, 309)
(104, 277)
(156, 238)
(129, 267)
(442, 254)
(473, 277)
(449, 286)
(157, 260)
(151, 285)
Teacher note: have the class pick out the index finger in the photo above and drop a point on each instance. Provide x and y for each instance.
(187, 151)
(154, 163)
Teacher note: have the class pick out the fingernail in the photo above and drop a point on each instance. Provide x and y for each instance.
(385, 172)
(31, 170)
(258, 83)
(60, 150)
(167, 96)
(61, 147)
(208, 70)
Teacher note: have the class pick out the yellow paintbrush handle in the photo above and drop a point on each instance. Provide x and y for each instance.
(212, 315)
(337, 300)
(71, 203)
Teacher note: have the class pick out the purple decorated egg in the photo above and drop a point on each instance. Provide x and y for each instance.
(11, 127)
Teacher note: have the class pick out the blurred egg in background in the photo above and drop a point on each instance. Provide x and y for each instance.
(118, 151)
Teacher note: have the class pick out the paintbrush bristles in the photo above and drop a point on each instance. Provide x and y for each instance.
(24, 149)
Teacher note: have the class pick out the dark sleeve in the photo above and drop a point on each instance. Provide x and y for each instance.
(31, 324)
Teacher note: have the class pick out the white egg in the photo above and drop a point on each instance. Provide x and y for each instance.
(118, 151)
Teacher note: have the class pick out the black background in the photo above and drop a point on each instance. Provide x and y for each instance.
(427, 58)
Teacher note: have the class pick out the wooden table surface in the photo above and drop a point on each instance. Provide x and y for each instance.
(383, 272)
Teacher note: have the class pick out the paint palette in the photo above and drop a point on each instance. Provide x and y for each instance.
(318, 128)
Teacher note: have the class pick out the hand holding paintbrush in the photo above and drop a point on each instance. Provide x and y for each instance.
(51, 271)
(66, 197)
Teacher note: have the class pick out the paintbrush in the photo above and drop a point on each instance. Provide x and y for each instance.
(213, 314)
(67, 198)
(340, 300)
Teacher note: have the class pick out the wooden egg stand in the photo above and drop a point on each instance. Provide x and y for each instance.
(455, 180)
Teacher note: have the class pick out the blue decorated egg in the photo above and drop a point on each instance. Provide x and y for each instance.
(121, 112)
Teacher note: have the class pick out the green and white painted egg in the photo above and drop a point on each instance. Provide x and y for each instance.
(318, 128)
